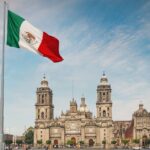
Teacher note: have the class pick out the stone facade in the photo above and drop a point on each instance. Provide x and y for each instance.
(78, 124)
(141, 129)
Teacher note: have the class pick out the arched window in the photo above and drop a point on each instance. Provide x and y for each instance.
(108, 108)
(42, 100)
(42, 115)
(38, 98)
(46, 113)
(42, 97)
(38, 113)
(104, 113)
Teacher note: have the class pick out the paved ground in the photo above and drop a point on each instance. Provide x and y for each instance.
(69, 149)
(84, 149)
(89, 148)
(66, 149)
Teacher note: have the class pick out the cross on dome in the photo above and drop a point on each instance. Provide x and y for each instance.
(104, 80)
(103, 73)
(44, 82)
(44, 77)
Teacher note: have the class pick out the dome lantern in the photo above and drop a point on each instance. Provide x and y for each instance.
(44, 82)
(104, 80)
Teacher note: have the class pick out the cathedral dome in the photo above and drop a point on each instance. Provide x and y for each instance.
(44, 82)
(104, 80)
(141, 111)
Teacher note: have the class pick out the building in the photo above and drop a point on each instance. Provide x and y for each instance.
(78, 124)
(8, 137)
(141, 129)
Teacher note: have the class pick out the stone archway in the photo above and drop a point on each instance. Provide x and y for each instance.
(73, 139)
(144, 139)
(55, 142)
(91, 142)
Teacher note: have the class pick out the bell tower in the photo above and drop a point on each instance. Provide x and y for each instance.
(44, 111)
(73, 106)
(104, 103)
(44, 105)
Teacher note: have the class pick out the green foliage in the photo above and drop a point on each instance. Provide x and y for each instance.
(8, 142)
(81, 142)
(39, 142)
(48, 142)
(29, 136)
(136, 141)
(69, 142)
(147, 142)
(19, 142)
(125, 141)
(113, 142)
(104, 142)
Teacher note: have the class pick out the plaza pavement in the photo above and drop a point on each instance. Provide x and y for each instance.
(68, 149)
(82, 149)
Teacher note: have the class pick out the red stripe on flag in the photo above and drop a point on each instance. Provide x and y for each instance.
(49, 47)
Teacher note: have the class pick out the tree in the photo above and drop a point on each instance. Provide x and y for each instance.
(125, 141)
(39, 142)
(48, 142)
(29, 136)
(69, 142)
(81, 142)
(113, 142)
(147, 142)
(8, 142)
(19, 142)
(104, 142)
(136, 141)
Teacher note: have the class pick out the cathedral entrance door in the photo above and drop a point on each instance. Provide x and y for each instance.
(91, 142)
(55, 142)
(73, 139)
(144, 140)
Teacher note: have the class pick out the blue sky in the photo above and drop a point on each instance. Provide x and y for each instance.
(95, 36)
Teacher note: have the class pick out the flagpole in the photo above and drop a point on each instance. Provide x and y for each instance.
(2, 81)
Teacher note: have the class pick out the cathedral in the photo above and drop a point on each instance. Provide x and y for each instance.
(78, 124)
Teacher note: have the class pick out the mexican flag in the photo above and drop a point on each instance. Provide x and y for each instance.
(22, 34)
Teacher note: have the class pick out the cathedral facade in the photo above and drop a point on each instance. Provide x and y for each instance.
(78, 124)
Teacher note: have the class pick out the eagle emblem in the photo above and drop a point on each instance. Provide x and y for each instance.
(29, 38)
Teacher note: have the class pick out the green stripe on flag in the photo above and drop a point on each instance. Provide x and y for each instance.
(13, 29)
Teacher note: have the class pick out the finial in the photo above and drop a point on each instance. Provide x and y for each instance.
(44, 76)
(103, 73)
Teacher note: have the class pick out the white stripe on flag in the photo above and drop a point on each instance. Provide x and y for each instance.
(30, 37)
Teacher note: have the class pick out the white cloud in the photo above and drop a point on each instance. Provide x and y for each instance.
(87, 52)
